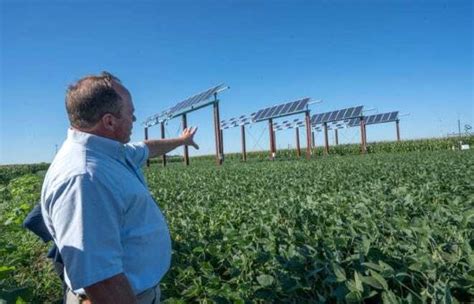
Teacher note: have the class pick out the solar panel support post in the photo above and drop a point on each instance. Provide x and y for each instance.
(397, 123)
(362, 136)
(146, 138)
(272, 139)
(221, 133)
(217, 131)
(274, 143)
(326, 139)
(308, 135)
(298, 148)
(186, 152)
(336, 136)
(244, 152)
(365, 135)
(313, 140)
(162, 127)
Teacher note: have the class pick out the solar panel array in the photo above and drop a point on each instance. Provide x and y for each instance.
(156, 119)
(332, 126)
(375, 119)
(284, 109)
(237, 121)
(184, 106)
(337, 115)
(195, 101)
(295, 123)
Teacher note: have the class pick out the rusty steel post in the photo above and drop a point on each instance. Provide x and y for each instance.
(326, 139)
(397, 122)
(298, 148)
(313, 139)
(272, 140)
(217, 132)
(162, 127)
(362, 136)
(186, 152)
(308, 135)
(222, 144)
(336, 136)
(146, 138)
(365, 136)
(244, 152)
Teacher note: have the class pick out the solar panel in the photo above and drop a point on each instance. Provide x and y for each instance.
(236, 122)
(341, 114)
(281, 110)
(337, 115)
(316, 119)
(195, 101)
(156, 119)
(375, 119)
(284, 125)
(384, 118)
(353, 122)
(320, 128)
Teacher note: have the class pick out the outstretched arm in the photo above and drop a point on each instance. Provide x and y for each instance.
(159, 147)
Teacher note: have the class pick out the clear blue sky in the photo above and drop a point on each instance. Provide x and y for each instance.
(412, 56)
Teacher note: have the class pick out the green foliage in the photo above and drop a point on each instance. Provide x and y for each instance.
(24, 193)
(388, 228)
(383, 227)
(417, 145)
(9, 172)
(26, 274)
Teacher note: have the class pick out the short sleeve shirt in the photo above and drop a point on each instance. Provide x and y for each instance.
(97, 206)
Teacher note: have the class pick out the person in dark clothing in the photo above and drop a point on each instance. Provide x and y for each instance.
(34, 222)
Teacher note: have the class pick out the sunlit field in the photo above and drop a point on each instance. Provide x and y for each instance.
(384, 227)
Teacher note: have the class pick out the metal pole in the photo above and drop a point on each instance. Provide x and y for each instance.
(146, 138)
(244, 152)
(336, 136)
(362, 136)
(222, 144)
(162, 127)
(313, 139)
(221, 153)
(397, 123)
(298, 149)
(217, 132)
(186, 152)
(308, 135)
(365, 135)
(272, 141)
(326, 139)
(459, 127)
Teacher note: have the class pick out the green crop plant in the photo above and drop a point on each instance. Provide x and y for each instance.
(383, 227)
(386, 227)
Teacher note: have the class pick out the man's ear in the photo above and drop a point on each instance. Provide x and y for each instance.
(109, 122)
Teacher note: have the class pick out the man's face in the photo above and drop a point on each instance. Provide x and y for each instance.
(127, 117)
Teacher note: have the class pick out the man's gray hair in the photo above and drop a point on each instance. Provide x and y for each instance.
(92, 97)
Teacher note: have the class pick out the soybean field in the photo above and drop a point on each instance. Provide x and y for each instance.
(388, 227)
(382, 228)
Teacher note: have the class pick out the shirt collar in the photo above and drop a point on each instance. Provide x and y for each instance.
(106, 145)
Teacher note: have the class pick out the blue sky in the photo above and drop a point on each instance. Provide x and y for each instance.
(411, 56)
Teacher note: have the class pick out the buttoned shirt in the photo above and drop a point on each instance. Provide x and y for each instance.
(96, 205)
